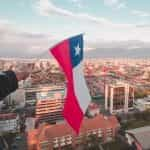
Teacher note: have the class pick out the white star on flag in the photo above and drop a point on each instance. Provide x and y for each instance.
(77, 50)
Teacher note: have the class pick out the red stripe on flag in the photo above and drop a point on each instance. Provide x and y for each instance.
(72, 111)
(62, 54)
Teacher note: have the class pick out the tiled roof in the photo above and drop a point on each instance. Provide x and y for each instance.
(59, 130)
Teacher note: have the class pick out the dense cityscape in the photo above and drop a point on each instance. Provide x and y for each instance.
(117, 118)
(75, 75)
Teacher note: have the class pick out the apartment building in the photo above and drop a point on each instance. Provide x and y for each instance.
(49, 105)
(9, 122)
(49, 111)
(41, 92)
(119, 97)
(49, 137)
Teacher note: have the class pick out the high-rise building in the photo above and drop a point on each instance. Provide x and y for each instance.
(41, 92)
(119, 97)
(49, 104)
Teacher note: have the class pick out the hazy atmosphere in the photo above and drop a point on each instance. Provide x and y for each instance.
(112, 28)
(74, 74)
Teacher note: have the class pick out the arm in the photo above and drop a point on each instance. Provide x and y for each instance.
(9, 79)
(8, 83)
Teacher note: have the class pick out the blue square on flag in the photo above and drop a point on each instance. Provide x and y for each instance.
(76, 49)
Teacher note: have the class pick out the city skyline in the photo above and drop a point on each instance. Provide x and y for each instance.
(120, 103)
(29, 28)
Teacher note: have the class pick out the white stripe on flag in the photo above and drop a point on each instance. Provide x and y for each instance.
(80, 87)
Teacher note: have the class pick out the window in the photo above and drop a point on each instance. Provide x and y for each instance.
(44, 145)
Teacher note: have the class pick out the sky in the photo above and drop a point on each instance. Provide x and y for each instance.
(32, 26)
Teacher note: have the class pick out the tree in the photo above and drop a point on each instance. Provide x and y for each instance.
(90, 142)
(68, 147)
(146, 115)
(140, 94)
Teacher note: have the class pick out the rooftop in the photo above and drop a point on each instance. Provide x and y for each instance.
(143, 100)
(53, 131)
(142, 135)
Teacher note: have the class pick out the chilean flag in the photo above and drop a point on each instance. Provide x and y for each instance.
(69, 54)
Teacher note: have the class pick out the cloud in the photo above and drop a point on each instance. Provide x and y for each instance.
(78, 3)
(140, 13)
(99, 32)
(98, 27)
(115, 3)
(15, 42)
(46, 8)
(22, 43)
(143, 25)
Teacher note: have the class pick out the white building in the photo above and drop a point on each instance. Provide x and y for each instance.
(9, 122)
(119, 97)
(30, 123)
(18, 97)
(93, 109)
(142, 104)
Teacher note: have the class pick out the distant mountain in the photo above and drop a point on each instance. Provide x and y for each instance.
(94, 53)
(24, 54)
(13, 53)
(118, 53)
